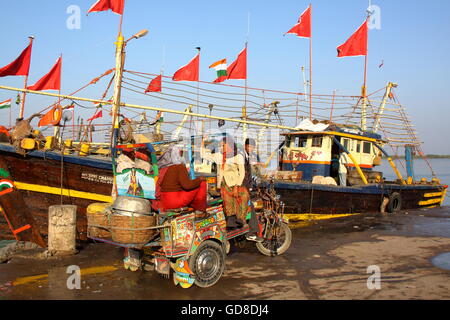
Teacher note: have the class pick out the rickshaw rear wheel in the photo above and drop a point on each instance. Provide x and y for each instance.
(207, 264)
(277, 242)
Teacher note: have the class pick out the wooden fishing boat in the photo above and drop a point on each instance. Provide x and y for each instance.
(32, 183)
(313, 155)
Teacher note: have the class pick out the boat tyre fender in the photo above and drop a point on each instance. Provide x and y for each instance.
(395, 202)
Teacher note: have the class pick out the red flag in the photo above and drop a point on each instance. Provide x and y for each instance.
(97, 115)
(303, 27)
(238, 69)
(356, 45)
(105, 5)
(20, 66)
(189, 72)
(51, 81)
(155, 85)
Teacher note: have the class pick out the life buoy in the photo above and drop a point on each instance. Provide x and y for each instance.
(395, 202)
(53, 117)
(4, 130)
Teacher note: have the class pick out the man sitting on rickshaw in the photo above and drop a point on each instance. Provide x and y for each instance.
(176, 189)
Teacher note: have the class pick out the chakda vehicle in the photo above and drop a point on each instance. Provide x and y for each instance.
(192, 246)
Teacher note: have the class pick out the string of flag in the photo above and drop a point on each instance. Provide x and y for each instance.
(356, 45)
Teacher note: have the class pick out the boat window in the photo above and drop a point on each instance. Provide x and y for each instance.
(367, 147)
(317, 142)
(288, 141)
(300, 142)
(345, 143)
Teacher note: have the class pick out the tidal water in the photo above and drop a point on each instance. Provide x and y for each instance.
(441, 168)
(4, 243)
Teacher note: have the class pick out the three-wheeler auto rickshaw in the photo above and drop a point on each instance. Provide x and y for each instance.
(191, 246)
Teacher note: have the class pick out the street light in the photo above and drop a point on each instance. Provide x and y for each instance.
(120, 61)
(138, 35)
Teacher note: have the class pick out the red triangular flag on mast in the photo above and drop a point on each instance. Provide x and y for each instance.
(356, 45)
(105, 5)
(303, 27)
(20, 66)
(98, 114)
(189, 72)
(155, 85)
(238, 69)
(51, 81)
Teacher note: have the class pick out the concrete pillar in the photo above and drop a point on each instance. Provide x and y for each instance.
(62, 225)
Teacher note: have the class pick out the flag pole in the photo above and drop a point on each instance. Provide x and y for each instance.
(121, 18)
(57, 129)
(310, 70)
(198, 87)
(364, 87)
(25, 84)
(73, 123)
(120, 59)
(10, 116)
(332, 105)
(198, 81)
(244, 109)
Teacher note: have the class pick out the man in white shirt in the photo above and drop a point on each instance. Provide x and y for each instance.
(343, 164)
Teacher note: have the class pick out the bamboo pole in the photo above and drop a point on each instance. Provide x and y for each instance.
(382, 106)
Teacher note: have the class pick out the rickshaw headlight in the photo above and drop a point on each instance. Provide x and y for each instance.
(258, 204)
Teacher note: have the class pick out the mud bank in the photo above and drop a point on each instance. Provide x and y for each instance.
(327, 260)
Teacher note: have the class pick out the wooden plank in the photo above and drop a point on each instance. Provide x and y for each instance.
(429, 202)
(433, 195)
(65, 192)
(16, 212)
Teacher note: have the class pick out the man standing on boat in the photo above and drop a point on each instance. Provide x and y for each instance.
(343, 165)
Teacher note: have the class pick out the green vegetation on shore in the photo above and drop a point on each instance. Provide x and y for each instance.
(428, 156)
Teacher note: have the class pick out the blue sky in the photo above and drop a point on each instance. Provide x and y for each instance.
(413, 42)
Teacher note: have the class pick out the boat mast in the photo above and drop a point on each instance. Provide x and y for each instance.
(310, 69)
(120, 61)
(25, 84)
(120, 58)
(382, 106)
(364, 87)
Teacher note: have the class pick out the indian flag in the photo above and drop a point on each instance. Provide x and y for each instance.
(5, 104)
(221, 68)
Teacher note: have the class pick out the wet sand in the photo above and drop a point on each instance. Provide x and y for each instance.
(327, 260)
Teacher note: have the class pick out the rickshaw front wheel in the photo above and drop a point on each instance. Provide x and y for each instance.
(207, 264)
(277, 241)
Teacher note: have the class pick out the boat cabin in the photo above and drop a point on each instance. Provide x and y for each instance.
(317, 153)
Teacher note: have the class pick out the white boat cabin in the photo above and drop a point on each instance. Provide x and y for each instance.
(317, 153)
